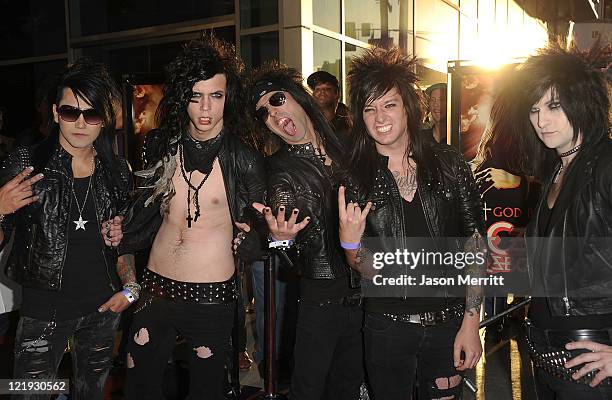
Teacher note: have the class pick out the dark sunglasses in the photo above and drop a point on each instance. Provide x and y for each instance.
(71, 114)
(276, 100)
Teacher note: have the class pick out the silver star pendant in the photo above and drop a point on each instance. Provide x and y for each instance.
(80, 224)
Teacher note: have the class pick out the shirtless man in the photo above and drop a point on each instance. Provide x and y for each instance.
(200, 180)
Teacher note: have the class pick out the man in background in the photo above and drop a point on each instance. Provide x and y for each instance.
(326, 93)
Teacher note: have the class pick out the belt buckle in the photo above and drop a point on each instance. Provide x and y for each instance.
(428, 319)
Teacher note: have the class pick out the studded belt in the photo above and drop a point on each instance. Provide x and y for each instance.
(201, 293)
(429, 318)
(551, 356)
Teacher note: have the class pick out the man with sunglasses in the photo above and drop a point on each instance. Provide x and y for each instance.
(74, 286)
(200, 180)
(302, 181)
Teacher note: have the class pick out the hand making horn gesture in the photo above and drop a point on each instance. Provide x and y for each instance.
(352, 219)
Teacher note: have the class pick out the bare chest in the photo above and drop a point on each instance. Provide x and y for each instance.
(199, 196)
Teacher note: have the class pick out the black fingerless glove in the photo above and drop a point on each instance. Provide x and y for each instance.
(251, 248)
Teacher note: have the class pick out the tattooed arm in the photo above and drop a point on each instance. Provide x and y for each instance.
(126, 268)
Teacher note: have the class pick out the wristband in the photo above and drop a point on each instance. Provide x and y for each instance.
(350, 246)
(283, 244)
(128, 295)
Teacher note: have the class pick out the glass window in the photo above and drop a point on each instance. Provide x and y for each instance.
(437, 39)
(257, 49)
(28, 95)
(146, 58)
(350, 52)
(377, 22)
(470, 8)
(326, 13)
(469, 38)
(326, 55)
(258, 13)
(29, 29)
(501, 13)
(112, 16)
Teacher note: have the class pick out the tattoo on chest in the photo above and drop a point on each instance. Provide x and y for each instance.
(407, 185)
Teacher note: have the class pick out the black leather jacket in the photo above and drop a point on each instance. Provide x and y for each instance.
(243, 175)
(572, 263)
(298, 179)
(452, 208)
(39, 250)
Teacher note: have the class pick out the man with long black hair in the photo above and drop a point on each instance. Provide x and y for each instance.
(69, 271)
(199, 180)
(303, 179)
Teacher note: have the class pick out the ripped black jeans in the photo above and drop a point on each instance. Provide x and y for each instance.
(156, 324)
(39, 351)
(396, 352)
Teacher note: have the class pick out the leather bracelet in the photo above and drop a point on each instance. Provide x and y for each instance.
(350, 246)
(128, 295)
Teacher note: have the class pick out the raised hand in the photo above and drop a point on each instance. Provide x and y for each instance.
(352, 218)
(17, 192)
(282, 229)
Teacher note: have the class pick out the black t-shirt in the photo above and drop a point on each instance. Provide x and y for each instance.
(415, 225)
(85, 284)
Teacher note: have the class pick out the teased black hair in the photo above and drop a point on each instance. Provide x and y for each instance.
(371, 75)
(579, 84)
(200, 59)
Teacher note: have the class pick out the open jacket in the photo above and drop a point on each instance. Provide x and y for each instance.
(243, 177)
(451, 206)
(572, 263)
(297, 179)
(39, 250)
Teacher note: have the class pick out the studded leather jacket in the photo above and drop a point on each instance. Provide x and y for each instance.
(243, 175)
(39, 250)
(452, 207)
(571, 264)
(297, 178)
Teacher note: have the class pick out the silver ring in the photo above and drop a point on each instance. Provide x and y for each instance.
(241, 236)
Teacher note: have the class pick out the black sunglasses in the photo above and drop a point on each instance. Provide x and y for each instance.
(71, 114)
(276, 100)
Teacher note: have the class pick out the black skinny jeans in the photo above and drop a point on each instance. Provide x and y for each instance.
(328, 352)
(91, 350)
(397, 352)
(205, 327)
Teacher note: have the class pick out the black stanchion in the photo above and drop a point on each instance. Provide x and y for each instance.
(270, 328)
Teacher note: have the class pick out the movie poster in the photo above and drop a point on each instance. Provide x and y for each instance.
(508, 198)
(142, 96)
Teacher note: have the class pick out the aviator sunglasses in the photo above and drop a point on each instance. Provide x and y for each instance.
(71, 114)
(276, 100)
